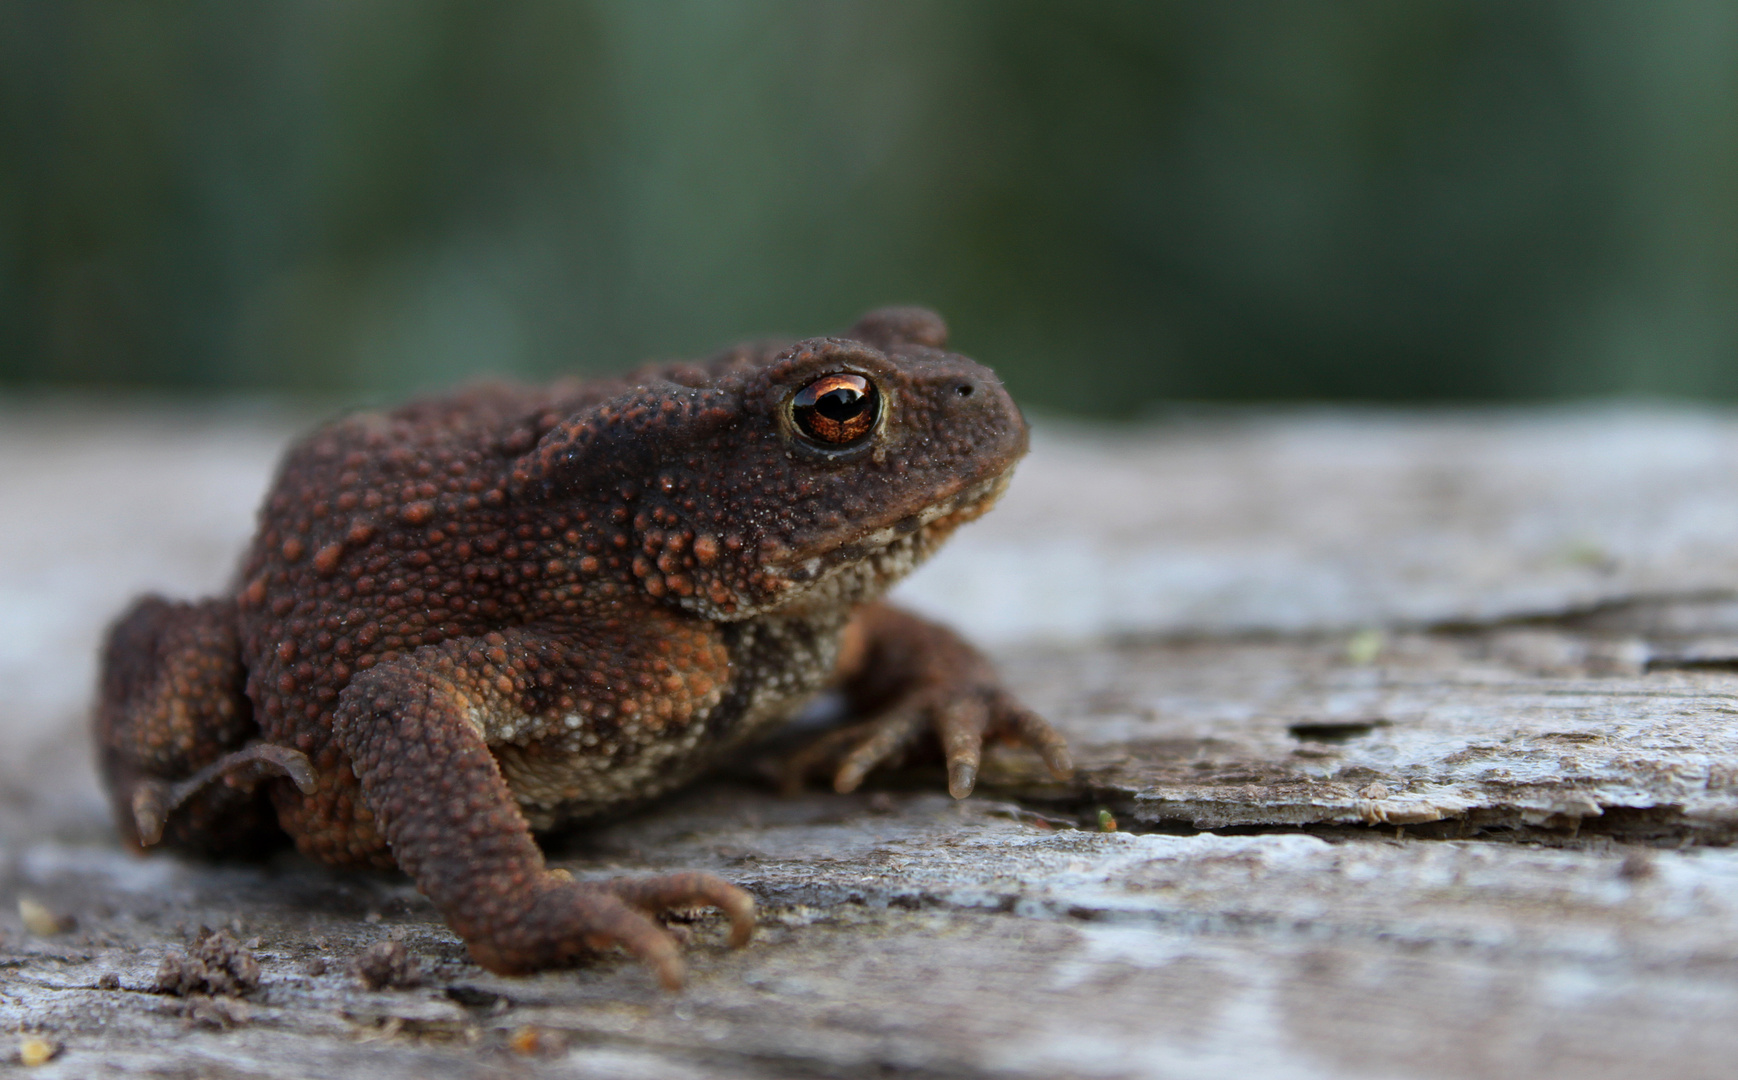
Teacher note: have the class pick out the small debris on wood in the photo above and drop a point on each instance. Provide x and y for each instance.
(1637, 866)
(474, 997)
(217, 1014)
(109, 981)
(534, 1041)
(315, 967)
(387, 965)
(1365, 646)
(380, 1029)
(37, 1049)
(217, 965)
(41, 921)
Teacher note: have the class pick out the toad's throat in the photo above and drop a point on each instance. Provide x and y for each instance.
(896, 548)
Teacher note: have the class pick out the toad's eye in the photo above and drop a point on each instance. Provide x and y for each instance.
(837, 410)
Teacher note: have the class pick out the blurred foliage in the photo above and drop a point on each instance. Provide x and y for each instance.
(1112, 202)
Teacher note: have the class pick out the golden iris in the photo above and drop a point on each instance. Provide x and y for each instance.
(837, 410)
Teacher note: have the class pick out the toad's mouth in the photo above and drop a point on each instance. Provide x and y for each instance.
(893, 550)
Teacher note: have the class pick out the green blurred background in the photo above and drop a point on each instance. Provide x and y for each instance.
(1114, 203)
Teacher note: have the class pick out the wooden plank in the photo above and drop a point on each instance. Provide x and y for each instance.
(1451, 695)
(1513, 729)
(908, 934)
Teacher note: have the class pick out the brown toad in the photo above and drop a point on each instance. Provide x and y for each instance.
(490, 613)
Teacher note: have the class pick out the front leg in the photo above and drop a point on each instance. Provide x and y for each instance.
(914, 676)
(415, 732)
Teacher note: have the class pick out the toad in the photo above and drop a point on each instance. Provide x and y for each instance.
(481, 616)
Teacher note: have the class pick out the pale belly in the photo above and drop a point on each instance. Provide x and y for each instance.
(560, 769)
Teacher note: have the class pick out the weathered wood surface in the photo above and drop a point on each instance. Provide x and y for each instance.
(1456, 692)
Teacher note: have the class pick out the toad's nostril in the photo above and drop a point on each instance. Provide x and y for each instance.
(963, 389)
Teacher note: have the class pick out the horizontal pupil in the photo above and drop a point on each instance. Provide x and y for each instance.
(838, 409)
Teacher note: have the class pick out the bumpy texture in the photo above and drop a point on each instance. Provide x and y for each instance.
(509, 608)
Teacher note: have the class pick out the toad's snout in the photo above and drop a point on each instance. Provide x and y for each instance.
(980, 428)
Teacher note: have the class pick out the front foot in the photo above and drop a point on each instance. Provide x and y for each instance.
(919, 677)
(566, 919)
(439, 797)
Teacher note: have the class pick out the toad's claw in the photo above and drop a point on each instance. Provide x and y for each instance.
(962, 719)
(638, 934)
(883, 739)
(656, 895)
(569, 917)
(961, 724)
(913, 676)
(1025, 726)
(961, 778)
(155, 800)
(151, 805)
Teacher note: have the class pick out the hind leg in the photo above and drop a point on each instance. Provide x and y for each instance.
(176, 739)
